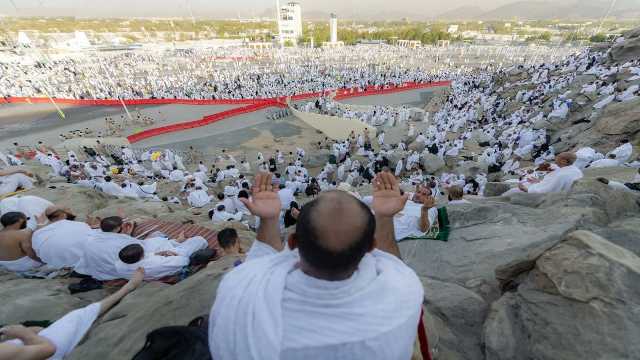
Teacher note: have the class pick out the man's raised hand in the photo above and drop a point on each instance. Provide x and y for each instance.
(387, 200)
(264, 202)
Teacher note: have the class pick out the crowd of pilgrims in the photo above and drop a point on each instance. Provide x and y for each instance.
(209, 74)
(386, 116)
(511, 143)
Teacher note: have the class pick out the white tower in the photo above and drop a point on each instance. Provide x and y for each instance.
(289, 22)
(333, 27)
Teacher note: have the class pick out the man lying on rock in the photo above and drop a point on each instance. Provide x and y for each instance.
(14, 179)
(337, 287)
(61, 242)
(60, 338)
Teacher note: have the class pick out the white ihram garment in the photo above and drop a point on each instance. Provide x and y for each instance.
(268, 308)
(558, 180)
(69, 330)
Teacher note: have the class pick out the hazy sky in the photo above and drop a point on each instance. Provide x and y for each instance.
(208, 8)
(244, 8)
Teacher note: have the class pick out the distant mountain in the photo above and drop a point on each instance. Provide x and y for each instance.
(462, 13)
(539, 10)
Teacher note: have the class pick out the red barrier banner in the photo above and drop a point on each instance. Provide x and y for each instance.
(116, 102)
(252, 105)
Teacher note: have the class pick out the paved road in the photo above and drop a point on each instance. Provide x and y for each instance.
(28, 123)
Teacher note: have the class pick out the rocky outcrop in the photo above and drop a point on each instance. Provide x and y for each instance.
(627, 50)
(620, 119)
(432, 163)
(578, 300)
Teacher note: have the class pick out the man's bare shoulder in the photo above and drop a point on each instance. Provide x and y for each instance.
(10, 241)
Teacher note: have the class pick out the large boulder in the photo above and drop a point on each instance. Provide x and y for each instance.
(626, 50)
(496, 189)
(620, 119)
(471, 168)
(454, 320)
(578, 300)
(432, 163)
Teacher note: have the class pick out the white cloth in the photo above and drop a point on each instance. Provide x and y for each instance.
(198, 198)
(558, 180)
(156, 266)
(11, 183)
(20, 265)
(407, 222)
(68, 331)
(622, 152)
(286, 197)
(31, 206)
(61, 244)
(270, 309)
(100, 254)
(604, 163)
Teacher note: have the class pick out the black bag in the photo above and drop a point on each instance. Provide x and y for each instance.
(177, 343)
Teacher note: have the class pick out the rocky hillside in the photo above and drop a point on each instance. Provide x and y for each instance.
(527, 276)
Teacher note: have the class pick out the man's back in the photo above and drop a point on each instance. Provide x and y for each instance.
(100, 254)
(61, 244)
(10, 244)
(371, 315)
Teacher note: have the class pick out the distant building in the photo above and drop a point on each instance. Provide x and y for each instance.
(413, 44)
(289, 22)
(333, 26)
(452, 29)
(23, 40)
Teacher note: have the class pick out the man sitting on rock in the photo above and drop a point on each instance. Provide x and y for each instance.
(59, 339)
(559, 180)
(342, 289)
(455, 196)
(159, 256)
(16, 253)
(418, 215)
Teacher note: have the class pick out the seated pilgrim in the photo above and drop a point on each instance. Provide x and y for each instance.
(560, 179)
(337, 290)
(158, 256)
(417, 216)
(456, 196)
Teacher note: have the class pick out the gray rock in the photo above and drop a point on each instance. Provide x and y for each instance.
(460, 316)
(495, 189)
(579, 301)
(620, 118)
(625, 51)
(432, 163)
(29, 299)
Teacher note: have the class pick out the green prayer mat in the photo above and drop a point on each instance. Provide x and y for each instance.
(439, 232)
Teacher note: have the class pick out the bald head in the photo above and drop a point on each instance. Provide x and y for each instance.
(565, 159)
(334, 232)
